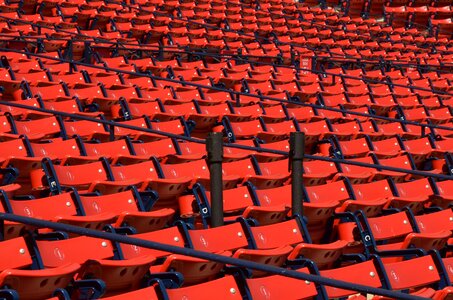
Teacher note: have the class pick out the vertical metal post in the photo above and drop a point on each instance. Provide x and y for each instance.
(214, 147)
(296, 156)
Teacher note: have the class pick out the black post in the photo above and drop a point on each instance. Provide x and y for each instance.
(214, 147)
(296, 156)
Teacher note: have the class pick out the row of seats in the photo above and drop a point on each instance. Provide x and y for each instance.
(377, 8)
(238, 122)
(21, 69)
(240, 128)
(122, 267)
(418, 16)
(170, 180)
(180, 40)
(303, 41)
(383, 102)
(364, 145)
(332, 86)
(24, 155)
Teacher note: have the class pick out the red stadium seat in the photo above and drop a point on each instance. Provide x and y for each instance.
(28, 282)
(225, 287)
(96, 260)
(267, 287)
(129, 210)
